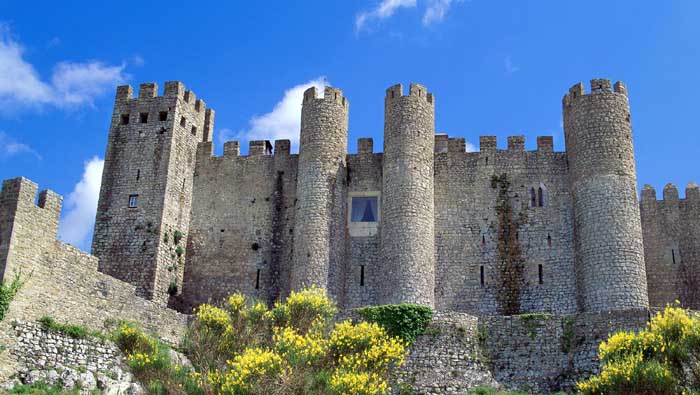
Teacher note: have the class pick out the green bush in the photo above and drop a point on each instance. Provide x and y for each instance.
(74, 331)
(400, 320)
(8, 292)
(42, 388)
(177, 236)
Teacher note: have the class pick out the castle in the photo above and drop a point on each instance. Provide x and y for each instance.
(489, 232)
(482, 237)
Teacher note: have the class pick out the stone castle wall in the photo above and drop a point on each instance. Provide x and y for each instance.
(62, 281)
(150, 157)
(607, 228)
(671, 228)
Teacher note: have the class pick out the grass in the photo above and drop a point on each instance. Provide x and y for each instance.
(492, 391)
(42, 388)
(74, 331)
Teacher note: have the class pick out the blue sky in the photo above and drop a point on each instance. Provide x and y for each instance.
(495, 67)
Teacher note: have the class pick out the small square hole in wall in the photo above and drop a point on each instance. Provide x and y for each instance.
(163, 116)
(143, 117)
(183, 122)
(194, 130)
(125, 119)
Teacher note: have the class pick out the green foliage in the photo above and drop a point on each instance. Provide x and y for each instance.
(296, 347)
(74, 331)
(567, 337)
(172, 288)
(8, 292)
(405, 321)
(179, 251)
(661, 359)
(532, 321)
(177, 236)
(42, 388)
(493, 391)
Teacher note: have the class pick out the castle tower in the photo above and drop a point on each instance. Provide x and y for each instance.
(322, 152)
(407, 221)
(609, 255)
(144, 205)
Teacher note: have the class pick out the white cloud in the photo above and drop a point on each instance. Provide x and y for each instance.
(471, 147)
(81, 206)
(283, 122)
(436, 11)
(72, 84)
(510, 66)
(384, 10)
(10, 147)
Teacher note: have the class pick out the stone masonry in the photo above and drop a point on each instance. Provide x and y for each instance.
(425, 222)
(535, 255)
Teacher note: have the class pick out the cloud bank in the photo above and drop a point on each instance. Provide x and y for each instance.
(434, 12)
(282, 122)
(81, 206)
(71, 84)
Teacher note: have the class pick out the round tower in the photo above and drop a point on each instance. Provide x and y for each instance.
(322, 152)
(407, 221)
(608, 235)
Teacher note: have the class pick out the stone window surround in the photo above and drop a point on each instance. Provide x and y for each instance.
(364, 229)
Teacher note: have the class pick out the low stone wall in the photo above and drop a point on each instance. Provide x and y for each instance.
(545, 353)
(52, 357)
(447, 359)
(65, 284)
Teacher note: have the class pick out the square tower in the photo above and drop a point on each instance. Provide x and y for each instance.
(144, 206)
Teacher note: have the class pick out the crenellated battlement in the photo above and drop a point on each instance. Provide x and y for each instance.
(330, 95)
(149, 91)
(670, 196)
(414, 90)
(23, 193)
(597, 86)
(516, 143)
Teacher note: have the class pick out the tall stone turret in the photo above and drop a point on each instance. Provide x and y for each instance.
(407, 220)
(143, 212)
(320, 179)
(609, 255)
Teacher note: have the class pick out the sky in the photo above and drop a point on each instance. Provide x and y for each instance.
(495, 67)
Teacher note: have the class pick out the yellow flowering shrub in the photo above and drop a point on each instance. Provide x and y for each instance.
(236, 302)
(293, 348)
(302, 308)
(213, 317)
(357, 383)
(250, 370)
(658, 360)
(301, 349)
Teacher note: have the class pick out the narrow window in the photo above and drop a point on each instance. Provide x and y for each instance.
(673, 255)
(194, 130)
(540, 197)
(481, 274)
(183, 183)
(533, 198)
(125, 119)
(483, 240)
(362, 275)
(549, 240)
(133, 201)
(517, 235)
(138, 174)
(487, 160)
(539, 274)
(257, 279)
(163, 116)
(183, 122)
(143, 117)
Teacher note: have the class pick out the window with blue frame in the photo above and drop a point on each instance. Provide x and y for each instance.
(364, 209)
